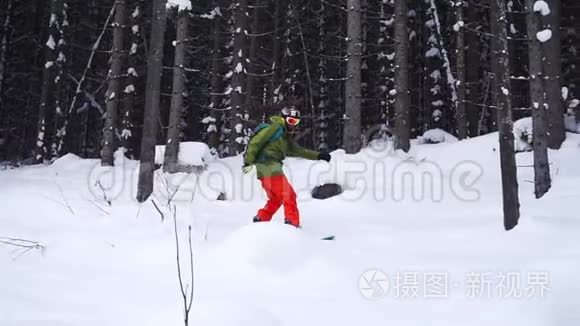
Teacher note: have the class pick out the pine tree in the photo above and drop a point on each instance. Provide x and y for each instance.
(553, 54)
(538, 98)
(179, 92)
(401, 77)
(130, 91)
(3, 54)
(502, 99)
(238, 112)
(152, 94)
(115, 77)
(352, 127)
(48, 80)
(216, 98)
(460, 115)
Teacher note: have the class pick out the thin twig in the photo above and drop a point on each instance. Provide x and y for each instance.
(22, 246)
(158, 210)
(99, 207)
(191, 271)
(64, 198)
(139, 210)
(182, 289)
(105, 198)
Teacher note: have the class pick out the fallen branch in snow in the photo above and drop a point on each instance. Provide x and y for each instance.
(105, 198)
(64, 199)
(99, 207)
(22, 246)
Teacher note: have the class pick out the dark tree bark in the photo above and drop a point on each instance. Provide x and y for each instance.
(501, 72)
(48, 80)
(538, 91)
(238, 111)
(3, 52)
(152, 94)
(553, 53)
(322, 119)
(216, 82)
(252, 55)
(460, 116)
(472, 74)
(352, 124)
(274, 88)
(179, 92)
(130, 91)
(115, 77)
(401, 77)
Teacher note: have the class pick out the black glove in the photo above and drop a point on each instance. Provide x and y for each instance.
(324, 156)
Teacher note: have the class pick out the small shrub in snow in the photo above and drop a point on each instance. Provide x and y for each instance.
(190, 154)
(523, 135)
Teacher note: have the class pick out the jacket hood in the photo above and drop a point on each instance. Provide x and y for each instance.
(278, 120)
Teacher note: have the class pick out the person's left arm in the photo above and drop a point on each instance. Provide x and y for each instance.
(297, 151)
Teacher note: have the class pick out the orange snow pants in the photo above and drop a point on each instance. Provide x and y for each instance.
(279, 192)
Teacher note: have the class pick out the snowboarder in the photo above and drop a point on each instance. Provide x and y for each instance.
(266, 150)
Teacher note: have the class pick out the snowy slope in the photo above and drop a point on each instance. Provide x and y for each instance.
(434, 211)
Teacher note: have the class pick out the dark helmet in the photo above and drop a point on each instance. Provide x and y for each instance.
(291, 116)
(290, 111)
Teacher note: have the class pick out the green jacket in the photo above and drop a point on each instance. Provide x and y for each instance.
(270, 146)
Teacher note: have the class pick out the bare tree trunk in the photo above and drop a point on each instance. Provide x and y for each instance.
(3, 50)
(473, 78)
(216, 98)
(48, 81)
(401, 77)
(460, 115)
(238, 112)
(275, 87)
(501, 72)
(254, 42)
(179, 92)
(151, 119)
(538, 90)
(129, 92)
(113, 95)
(352, 125)
(553, 53)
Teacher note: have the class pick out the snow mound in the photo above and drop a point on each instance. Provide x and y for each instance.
(179, 4)
(268, 246)
(238, 313)
(190, 153)
(436, 136)
(523, 135)
(66, 162)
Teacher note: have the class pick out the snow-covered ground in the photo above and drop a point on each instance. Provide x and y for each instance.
(429, 220)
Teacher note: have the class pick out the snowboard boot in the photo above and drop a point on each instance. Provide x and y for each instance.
(257, 219)
(287, 221)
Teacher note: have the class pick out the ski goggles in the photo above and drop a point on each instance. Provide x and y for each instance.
(292, 121)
